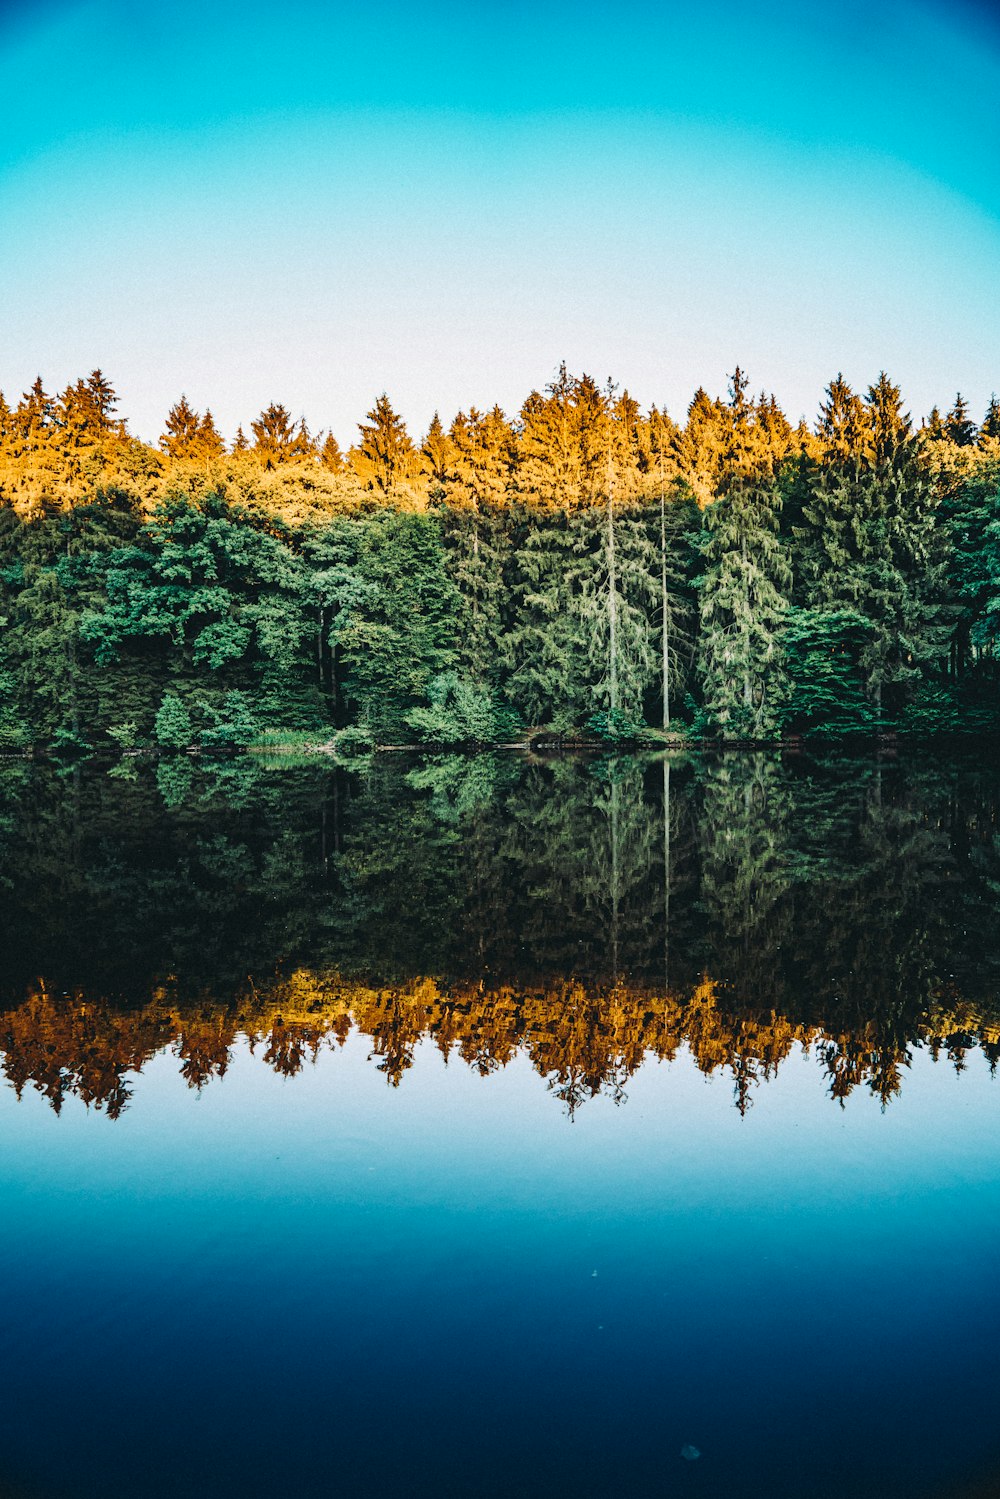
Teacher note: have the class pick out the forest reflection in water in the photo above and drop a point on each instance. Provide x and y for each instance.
(589, 914)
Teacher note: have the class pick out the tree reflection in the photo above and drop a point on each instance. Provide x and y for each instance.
(584, 915)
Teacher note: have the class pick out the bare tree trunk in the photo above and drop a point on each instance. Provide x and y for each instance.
(612, 596)
(665, 612)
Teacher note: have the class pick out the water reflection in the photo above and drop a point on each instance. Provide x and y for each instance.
(589, 915)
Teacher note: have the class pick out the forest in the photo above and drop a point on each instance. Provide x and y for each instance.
(581, 571)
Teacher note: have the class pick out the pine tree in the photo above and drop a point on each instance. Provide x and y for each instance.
(562, 448)
(209, 441)
(702, 444)
(546, 648)
(934, 425)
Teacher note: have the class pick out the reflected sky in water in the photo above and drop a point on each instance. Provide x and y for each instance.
(326, 1286)
(474, 1213)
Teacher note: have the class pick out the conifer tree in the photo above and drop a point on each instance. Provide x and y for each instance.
(385, 457)
(702, 444)
(545, 650)
(958, 426)
(871, 550)
(277, 439)
(843, 424)
(181, 429)
(744, 600)
(437, 450)
(990, 429)
(209, 440)
(330, 455)
(934, 425)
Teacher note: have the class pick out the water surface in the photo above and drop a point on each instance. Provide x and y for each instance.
(495, 1128)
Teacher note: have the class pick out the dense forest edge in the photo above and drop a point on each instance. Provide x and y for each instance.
(582, 571)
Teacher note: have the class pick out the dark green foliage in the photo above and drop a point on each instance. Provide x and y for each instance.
(744, 599)
(822, 652)
(398, 615)
(461, 712)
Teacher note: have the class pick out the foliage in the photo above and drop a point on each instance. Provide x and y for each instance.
(576, 568)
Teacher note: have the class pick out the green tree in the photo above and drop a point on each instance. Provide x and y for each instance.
(743, 602)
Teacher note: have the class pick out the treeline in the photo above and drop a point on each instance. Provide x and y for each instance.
(583, 568)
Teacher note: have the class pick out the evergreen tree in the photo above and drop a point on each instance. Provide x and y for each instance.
(396, 615)
(934, 426)
(990, 429)
(181, 429)
(277, 439)
(702, 444)
(330, 455)
(843, 425)
(546, 648)
(958, 426)
(744, 599)
(870, 548)
(437, 450)
(385, 457)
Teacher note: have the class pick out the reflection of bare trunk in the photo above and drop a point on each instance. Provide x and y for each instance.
(73, 701)
(666, 874)
(615, 793)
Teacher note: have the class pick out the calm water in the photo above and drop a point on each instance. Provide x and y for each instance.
(489, 1128)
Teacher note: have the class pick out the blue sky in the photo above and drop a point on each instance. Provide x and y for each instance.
(310, 204)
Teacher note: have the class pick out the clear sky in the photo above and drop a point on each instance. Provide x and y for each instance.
(312, 203)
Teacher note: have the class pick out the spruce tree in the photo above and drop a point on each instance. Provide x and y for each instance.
(990, 429)
(385, 457)
(181, 429)
(871, 548)
(744, 600)
(958, 426)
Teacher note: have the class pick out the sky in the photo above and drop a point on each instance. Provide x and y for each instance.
(314, 203)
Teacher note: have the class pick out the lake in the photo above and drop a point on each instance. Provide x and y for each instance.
(501, 1127)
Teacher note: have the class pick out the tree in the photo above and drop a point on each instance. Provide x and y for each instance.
(958, 426)
(181, 429)
(744, 599)
(385, 458)
(843, 425)
(277, 439)
(396, 615)
(870, 547)
(330, 455)
(990, 429)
